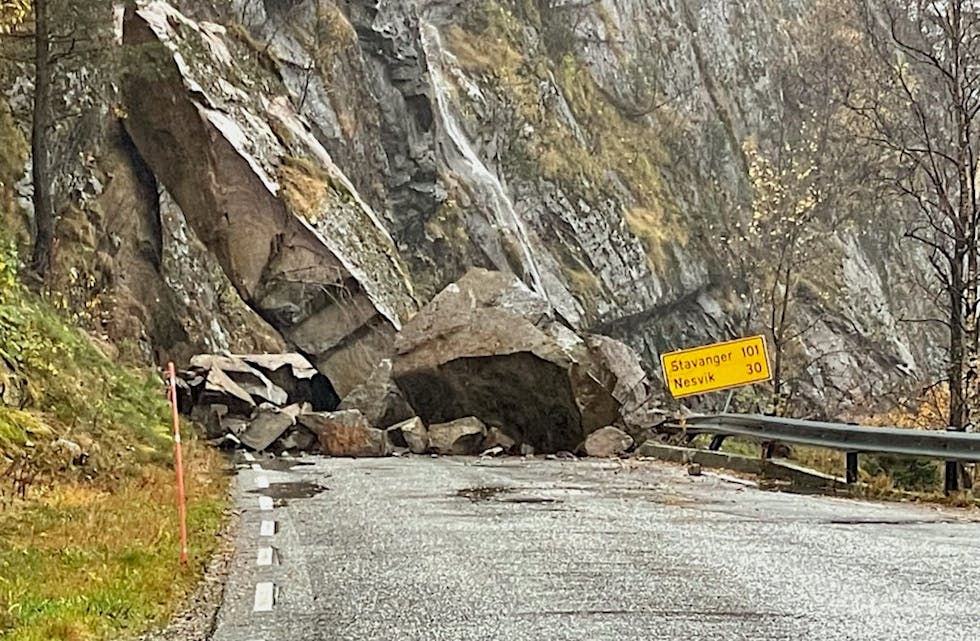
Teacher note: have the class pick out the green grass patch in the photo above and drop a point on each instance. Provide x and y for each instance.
(88, 549)
(83, 563)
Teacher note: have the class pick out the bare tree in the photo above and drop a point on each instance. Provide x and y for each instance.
(62, 29)
(917, 95)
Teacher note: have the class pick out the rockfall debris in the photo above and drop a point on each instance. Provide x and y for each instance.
(486, 367)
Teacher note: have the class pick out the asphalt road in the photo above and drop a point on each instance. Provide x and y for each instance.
(512, 550)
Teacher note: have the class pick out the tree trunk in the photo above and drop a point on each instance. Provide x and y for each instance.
(956, 340)
(41, 125)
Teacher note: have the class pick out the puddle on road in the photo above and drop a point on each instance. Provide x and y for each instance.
(283, 464)
(287, 491)
(482, 493)
(528, 499)
(500, 495)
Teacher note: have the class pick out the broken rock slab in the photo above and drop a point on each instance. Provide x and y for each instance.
(252, 381)
(268, 425)
(346, 433)
(293, 373)
(379, 399)
(607, 442)
(462, 436)
(489, 347)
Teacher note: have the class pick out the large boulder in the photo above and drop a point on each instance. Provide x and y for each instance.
(487, 346)
(462, 436)
(379, 399)
(607, 443)
(346, 433)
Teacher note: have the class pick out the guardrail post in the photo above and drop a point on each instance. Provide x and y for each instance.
(952, 477)
(952, 483)
(717, 441)
(852, 468)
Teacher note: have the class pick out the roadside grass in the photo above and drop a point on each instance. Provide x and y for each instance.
(88, 545)
(87, 563)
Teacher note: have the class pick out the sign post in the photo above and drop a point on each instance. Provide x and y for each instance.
(716, 367)
(178, 460)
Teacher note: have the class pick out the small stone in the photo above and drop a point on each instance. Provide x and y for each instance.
(496, 437)
(694, 469)
(565, 454)
(493, 451)
(462, 436)
(414, 434)
(607, 442)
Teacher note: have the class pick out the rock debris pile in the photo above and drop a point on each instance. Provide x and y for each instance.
(487, 367)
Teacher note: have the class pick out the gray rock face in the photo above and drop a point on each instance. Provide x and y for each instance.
(462, 436)
(346, 433)
(270, 189)
(289, 229)
(607, 443)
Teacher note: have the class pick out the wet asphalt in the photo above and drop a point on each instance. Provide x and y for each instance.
(455, 549)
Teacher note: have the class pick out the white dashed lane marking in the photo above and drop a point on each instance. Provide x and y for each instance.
(268, 528)
(264, 597)
(249, 456)
(265, 503)
(264, 557)
(262, 482)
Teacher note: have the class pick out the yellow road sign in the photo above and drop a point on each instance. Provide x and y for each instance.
(716, 367)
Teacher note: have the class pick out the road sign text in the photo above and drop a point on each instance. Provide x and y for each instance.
(716, 367)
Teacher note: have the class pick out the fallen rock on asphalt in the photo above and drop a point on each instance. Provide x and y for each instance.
(346, 433)
(607, 442)
(268, 425)
(414, 434)
(496, 437)
(462, 436)
(489, 347)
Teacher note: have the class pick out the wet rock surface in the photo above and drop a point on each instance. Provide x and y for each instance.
(381, 401)
(486, 366)
(414, 435)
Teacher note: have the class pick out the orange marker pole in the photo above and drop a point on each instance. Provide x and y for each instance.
(178, 460)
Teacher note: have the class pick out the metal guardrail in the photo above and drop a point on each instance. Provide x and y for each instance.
(852, 439)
